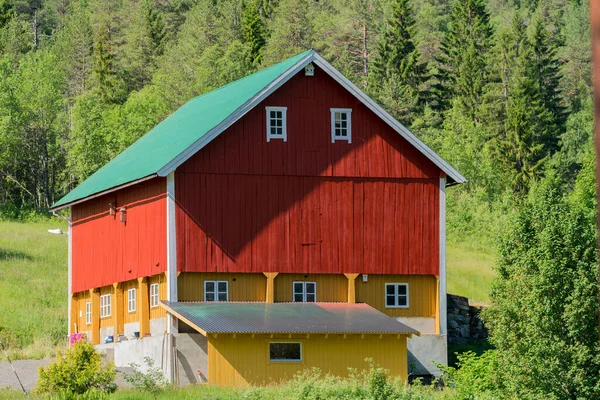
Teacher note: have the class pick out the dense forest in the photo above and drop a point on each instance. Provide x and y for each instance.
(500, 88)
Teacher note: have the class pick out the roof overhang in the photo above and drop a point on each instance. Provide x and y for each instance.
(104, 192)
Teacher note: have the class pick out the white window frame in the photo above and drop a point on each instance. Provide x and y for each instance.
(283, 123)
(348, 137)
(154, 295)
(131, 300)
(285, 361)
(304, 291)
(88, 313)
(105, 306)
(216, 291)
(396, 285)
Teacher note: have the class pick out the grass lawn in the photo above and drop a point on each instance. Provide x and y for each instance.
(470, 272)
(33, 287)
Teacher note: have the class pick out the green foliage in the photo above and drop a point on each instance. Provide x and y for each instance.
(475, 377)
(152, 381)
(77, 371)
(543, 317)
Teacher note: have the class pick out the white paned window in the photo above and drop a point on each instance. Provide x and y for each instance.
(131, 300)
(396, 295)
(88, 313)
(105, 305)
(305, 292)
(154, 295)
(216, 291)
(285, 352)
(341, 124)
(276, 123)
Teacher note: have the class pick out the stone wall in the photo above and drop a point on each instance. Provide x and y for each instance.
(464, 324)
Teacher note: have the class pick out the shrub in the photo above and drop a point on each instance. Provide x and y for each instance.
(77, 371)
(152, 381)
(475, 377)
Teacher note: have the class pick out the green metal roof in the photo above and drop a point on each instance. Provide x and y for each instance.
(258, 317)
(177, 133)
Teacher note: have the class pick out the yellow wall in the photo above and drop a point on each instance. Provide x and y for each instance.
(130, 316)
(158, 312)
(330, 288)
(422, 294)
(245, 360)
(77, 306)
(109, 321)
(245, 287)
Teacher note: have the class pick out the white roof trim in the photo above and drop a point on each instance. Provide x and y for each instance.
(391, 121)
(342, 80)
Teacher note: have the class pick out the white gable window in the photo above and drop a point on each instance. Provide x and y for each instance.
(341, 124)
(88, 313)
(216, 291)
(396, 295)
(131, 302)
(305, 292)
(105, 306)
(276, 123)
(154, 295)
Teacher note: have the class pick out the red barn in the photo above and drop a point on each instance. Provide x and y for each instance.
(289, 186)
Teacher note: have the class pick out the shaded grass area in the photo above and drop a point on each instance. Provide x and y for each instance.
(470, 272)
(33, 288)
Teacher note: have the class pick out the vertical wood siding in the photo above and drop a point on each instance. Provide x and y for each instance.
(130, 316)
(244, 360)
(242, 287)
(158, 312)
(78, 309)
(105, 322)
(238, 223)
(422, 294)
(308, 205)
(330, 288)
(106, 250)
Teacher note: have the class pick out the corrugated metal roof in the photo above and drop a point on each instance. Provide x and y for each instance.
(246, 317)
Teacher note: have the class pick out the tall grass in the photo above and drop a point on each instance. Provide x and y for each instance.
(33, 287)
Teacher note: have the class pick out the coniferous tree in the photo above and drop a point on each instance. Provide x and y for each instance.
(253, 30)
(463, 62)
(397, 73)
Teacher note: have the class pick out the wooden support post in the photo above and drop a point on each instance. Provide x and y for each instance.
(143, 303)
(437, 306)
(74, 328)
(95, 298)
(270, 295)
(351, 287)
(119, 307)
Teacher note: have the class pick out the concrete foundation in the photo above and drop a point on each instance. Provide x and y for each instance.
(191, 351)
(105, 332)
(422, 324)
(158, 326)
(130, 329)
(423, 351)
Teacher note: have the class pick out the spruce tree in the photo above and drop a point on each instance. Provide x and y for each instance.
(465, 47)
(253, 30)
(397, 74)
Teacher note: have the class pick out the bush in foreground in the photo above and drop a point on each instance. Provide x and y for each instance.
(77, 371)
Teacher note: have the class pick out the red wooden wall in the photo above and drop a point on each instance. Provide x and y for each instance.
(106, 250)
(308, 205)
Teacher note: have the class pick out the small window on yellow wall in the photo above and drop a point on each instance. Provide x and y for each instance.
(154, 295)
(396, 295)
(285, 352)
(105, 306)
(88, 313)
(304, 292)
(131, 300)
